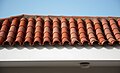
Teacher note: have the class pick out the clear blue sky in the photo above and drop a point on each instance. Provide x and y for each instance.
(60, 7)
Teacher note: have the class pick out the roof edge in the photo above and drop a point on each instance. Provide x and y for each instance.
(34, 15)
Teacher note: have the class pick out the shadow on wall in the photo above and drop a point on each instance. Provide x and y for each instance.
(67, 46)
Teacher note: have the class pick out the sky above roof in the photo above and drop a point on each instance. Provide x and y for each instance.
(60, 7)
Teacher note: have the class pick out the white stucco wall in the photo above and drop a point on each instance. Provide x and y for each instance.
(42, 53)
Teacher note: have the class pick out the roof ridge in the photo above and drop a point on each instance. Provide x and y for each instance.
(35, 15)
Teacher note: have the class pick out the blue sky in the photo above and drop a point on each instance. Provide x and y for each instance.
(60, 7)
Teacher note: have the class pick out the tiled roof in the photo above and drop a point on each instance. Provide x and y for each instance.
(37, 29)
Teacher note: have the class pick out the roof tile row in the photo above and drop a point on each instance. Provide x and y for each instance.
(59, 30)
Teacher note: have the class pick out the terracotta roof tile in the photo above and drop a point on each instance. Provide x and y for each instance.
(35, 29)
(73, 31)
(56, 31)
(108, 32)
(81, 31)
(65, 31)
(12, 32)
(115, 29)
(98, 30)
(118, 20)
(90, 31)
(30, 31)
(47, 31)
(38, 31)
